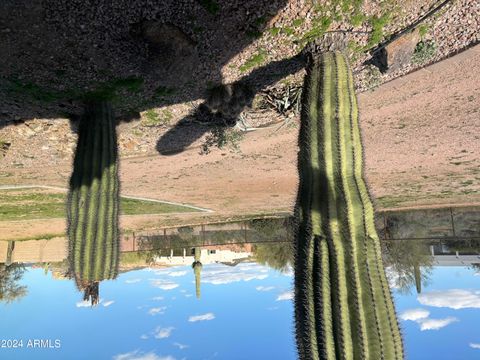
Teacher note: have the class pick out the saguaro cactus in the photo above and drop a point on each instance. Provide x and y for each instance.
(93, 199)
(343, 305)
(197, 269)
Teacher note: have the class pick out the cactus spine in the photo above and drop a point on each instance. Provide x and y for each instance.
(93, 200)
(343, 305)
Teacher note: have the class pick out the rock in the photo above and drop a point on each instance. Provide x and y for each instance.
(399, 52)
(171, 51)
(27, 131)
(4, 146)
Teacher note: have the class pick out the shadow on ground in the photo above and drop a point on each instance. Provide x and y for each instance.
(224, 105)
(137, 54)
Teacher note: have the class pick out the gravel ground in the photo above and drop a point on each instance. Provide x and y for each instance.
(54, 50)
(454, 29)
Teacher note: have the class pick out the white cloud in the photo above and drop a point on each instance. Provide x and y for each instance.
(180, 346)
(203, 317)
(157, 310)
(288, 271)
(108, 303)
(157, 298)
(86, 303)
(474, 346)
(177, 273)
(188, 295)
(220, 274)
(144, 337)
(454, 299)
(264, 288)
(414, 314)
(136, 355)
(421, 317)
(132, 281)
(164, 284)
(287, 295)
(171, 271)
(435, 324)
(168, 286)
(392, 277)
(163, 333)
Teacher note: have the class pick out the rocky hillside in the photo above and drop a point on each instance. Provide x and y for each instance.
(159, 61)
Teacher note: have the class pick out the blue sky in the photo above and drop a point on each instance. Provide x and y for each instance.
(245, 312)
(442, 322)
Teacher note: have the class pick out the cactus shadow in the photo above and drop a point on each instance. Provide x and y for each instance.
(225, 112)
(139, 54)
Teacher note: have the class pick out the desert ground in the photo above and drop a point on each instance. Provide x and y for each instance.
(420, 135)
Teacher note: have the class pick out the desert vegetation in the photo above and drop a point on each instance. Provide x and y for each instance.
(343, 305)
(16, 204)
(276, 255)
(410, 262)
(10, 289)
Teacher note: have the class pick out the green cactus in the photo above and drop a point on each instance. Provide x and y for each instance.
(343, 305)
(93, 200)
(197, 269)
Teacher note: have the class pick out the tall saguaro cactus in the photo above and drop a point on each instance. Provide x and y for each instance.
(343, 305)
(93, 199)
(197, 269)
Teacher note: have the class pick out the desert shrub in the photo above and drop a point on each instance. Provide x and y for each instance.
(222, 137)
(373, 77)
(424, 52)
